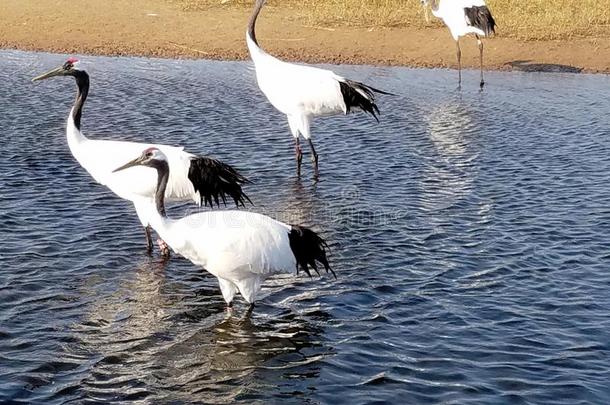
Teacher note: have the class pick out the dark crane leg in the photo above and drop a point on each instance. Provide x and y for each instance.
(459, 60)
(314, 158)
(298, 154)
(481, 58)
(249, 311)
(149, 242)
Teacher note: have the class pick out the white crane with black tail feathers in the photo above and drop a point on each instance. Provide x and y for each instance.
(240, 248)
(304, 92)
(464, 17)
(201, 179)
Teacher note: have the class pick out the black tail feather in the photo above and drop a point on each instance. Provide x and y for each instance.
(215, 181)
(308, 248)
(481, 18)
(359, 95)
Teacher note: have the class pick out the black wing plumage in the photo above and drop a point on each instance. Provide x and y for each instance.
(481, 18)
(308, 248)
(215, 181)
(359, 95)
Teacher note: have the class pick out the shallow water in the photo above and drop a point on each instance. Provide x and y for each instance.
(469, 233)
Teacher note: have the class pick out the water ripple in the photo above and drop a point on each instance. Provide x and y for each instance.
(469, 233)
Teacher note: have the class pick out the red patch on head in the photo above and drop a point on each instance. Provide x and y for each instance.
(151, 149)
(72, 60)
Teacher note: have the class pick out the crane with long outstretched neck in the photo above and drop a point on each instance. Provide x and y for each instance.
(304, 92)
(201, 179)
(240, 248)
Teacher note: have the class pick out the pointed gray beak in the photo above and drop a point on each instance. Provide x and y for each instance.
(51, 73)
(135, 162)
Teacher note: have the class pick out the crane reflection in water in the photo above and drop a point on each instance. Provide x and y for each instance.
(165, 330)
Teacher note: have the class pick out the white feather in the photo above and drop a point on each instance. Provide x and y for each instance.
(101, 157)
(240, 248)
(297, 90)
(452, 14)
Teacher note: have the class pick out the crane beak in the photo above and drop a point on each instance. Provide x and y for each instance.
(135, 162)
(51, 73)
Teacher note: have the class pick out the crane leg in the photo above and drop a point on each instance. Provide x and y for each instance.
(149, 242)
(481, 58)
(314, 158)
(249, 311)
(459, 60)
(298, 154)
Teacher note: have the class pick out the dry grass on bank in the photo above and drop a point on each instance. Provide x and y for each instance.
(523, 19)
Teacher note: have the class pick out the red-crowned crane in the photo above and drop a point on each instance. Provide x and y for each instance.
(304, 92)
(464, 17)
(240, 248)
(201, 179)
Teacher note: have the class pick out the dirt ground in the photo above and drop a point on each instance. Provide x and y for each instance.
(162, 29)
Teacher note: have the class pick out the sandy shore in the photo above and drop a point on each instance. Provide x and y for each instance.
(161, 29)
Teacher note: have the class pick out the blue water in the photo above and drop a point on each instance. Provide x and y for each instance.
(469, 232)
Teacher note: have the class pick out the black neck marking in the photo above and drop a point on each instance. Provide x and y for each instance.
(252, 23)
(162, 179)
(82, 81)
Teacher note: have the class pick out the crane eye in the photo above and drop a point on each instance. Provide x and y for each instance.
(149, 154)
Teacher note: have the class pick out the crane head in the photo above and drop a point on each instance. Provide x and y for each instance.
(67, 69)
(149, 157)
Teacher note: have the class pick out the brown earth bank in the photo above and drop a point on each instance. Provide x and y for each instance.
(159, 28)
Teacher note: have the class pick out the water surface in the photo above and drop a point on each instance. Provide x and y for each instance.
(469, 232)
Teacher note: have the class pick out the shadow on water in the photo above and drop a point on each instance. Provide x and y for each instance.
(531, 66)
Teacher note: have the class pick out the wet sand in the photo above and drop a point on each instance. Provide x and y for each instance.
(161, 29)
